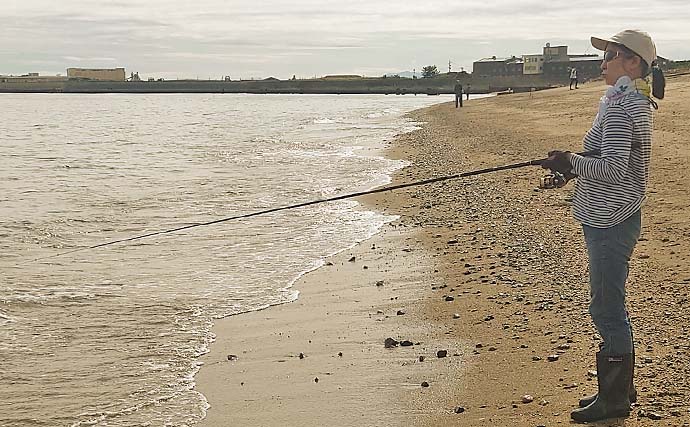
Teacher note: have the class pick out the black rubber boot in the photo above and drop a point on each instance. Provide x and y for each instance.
(586, 401)
(613, 374)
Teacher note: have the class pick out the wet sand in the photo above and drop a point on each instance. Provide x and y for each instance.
(490, 269)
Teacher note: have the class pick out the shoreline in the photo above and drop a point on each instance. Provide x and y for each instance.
(363, 261)
(512, 259)
(334, 325)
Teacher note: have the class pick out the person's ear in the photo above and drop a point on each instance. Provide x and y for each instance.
(633, 64)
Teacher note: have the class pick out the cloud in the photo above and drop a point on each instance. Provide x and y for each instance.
(80, 59)
(212, 37)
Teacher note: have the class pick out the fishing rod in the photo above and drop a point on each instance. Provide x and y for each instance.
(553, 180)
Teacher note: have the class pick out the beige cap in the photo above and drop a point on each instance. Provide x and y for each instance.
(635, 40)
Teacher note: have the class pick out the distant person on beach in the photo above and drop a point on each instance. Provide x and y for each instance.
(468, 92)
(573, 78)
(458, 94)
(609, 192)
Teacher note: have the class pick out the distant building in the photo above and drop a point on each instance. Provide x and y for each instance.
(491, 67)
(555, 53)
(558, 63)
(588, 66)
(533, 64)
(107, 74)
(553, 63)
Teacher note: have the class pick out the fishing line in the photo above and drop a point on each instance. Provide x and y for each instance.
(535, 162)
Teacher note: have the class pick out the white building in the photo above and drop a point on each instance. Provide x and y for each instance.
(533, 64)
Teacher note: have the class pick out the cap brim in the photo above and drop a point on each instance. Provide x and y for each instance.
(600, 43)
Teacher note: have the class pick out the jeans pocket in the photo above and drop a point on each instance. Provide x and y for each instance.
(628, 233)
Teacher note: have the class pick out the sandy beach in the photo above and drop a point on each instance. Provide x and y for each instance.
(484, 281)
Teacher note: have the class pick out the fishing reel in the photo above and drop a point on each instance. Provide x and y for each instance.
(553, 180)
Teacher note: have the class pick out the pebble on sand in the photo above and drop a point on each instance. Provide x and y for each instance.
(441, 354)
(390, 343)
(650, 415)
(425, 384)
(232, 357)
(527, 398)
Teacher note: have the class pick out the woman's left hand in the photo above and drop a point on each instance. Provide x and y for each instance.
(558, 161)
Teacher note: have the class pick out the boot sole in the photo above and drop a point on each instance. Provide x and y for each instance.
(620, 414)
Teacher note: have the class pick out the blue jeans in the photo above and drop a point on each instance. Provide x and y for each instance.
(609, 251)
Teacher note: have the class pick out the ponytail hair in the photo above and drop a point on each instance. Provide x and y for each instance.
(658, 81)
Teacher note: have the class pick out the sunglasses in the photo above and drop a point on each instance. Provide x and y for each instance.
(610, 55)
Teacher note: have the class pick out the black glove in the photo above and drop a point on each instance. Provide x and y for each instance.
(558, 161)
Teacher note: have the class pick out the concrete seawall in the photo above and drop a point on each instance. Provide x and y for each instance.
(391, 85)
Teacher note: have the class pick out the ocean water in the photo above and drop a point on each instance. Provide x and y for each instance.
(112, 336)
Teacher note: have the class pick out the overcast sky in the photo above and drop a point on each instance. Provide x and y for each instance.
(261, 38)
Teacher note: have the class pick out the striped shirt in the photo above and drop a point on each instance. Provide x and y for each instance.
(611, 187)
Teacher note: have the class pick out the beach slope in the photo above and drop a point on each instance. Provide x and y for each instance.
(489, 273)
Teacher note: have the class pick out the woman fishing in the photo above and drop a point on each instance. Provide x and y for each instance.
(610, 190)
